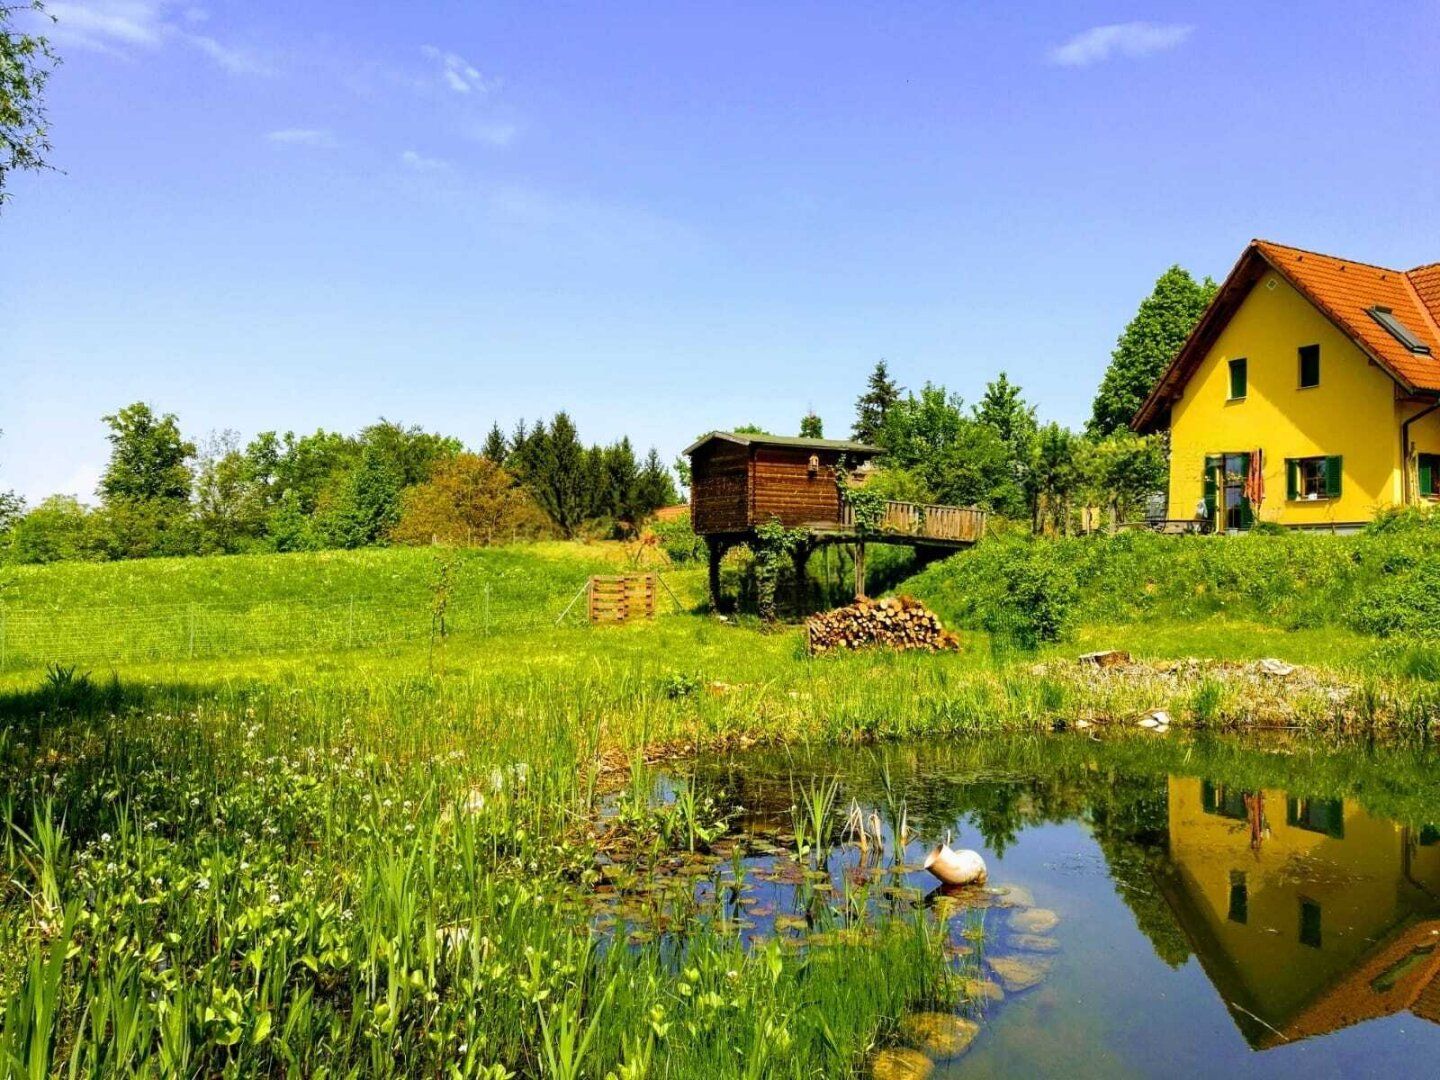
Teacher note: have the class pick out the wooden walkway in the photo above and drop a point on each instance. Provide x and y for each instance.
(918, 523)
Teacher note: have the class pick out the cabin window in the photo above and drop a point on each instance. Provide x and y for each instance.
(1222, 800)
(1238, 378)
(1309, 923)
(1311, 478)
(1309, 366)
(1428, 466)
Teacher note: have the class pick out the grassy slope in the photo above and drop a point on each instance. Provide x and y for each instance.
(313, 790)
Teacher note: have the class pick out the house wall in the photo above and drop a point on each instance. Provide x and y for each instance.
(785, 489)
(1352, 413)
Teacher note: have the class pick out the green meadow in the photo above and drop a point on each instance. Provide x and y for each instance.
(339, 816)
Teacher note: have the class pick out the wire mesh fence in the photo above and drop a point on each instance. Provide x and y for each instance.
(144, 633)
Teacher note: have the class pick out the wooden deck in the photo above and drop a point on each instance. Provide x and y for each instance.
(918, 523)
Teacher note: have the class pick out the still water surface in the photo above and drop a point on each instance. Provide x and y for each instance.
(1223, 908)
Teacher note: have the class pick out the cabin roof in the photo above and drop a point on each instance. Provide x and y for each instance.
(792, 441)
(1346, 292)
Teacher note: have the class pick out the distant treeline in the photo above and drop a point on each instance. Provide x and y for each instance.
(162, 494)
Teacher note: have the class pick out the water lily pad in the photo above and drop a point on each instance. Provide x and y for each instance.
(1034, 921)
(1035, 943)
(976, 989)
(1015, 895)
(1017, 974)
(939, 1034)
(901, 1063)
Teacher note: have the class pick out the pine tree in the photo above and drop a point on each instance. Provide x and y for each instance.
(495, 448)
(559, 473)
(811, 426)
(871, 408)
(1003, 410)
(655, 487)
(1146, 347)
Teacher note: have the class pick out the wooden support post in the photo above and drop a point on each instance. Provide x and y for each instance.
(716, 549)
(801, 558)
(860, 570)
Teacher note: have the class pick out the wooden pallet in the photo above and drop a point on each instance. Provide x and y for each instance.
(622, 597)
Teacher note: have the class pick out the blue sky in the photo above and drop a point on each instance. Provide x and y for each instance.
(665, 218)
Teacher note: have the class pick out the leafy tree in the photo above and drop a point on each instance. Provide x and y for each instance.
(26, 61)
(681, 466)
(1125, 469)
(148, 457)
(412, 451)
(230, 507)
(368, 503)
(143, 529)
(56, 530)
(309, 467)
(1146, 347)
(873, 406)
(811, 427)
(1003, 409)
(469, 500)
(289, 528)
(495, 448)
(1054, 478)
(749, 429)
(959, 459)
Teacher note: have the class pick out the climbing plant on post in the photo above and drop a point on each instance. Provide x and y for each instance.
(867, 512)
(773, 545)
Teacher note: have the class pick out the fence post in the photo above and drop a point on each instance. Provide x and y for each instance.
(350, 626)
(486, 622)
(191, 612)
(3, 656)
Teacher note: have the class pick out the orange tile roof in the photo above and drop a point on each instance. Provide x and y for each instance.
(1343, 290)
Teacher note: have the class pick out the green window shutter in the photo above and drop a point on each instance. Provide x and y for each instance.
(1212, 466)
(1237, 377)
(1427, 474)
(1292, 478)
(1332, 476)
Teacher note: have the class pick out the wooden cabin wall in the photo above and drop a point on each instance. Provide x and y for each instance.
(719, 489)
(784, 488)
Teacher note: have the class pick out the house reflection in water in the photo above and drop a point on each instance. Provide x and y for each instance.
(1308, 915)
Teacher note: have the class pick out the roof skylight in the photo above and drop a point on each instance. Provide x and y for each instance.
(1398, 330)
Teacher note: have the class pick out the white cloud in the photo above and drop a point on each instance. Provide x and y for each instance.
(492, 134)
(120, 26)
(458, 73)
(1132, 39)
(303, 137)
(413, 159)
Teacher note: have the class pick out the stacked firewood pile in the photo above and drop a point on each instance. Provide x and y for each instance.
(900, 622)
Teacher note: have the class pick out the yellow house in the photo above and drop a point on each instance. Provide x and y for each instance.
(1307, 395)
(1308, 915)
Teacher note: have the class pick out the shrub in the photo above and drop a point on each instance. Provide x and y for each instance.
(678, 538)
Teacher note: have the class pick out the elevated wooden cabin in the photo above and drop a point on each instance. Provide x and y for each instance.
(739, 482)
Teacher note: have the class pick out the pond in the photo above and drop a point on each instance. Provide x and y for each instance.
(1155, 905)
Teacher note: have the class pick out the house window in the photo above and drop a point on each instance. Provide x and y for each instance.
(1222, 800)
(1309, 366)
(1429, 469)
(1239, 897)
(1238, 378)
(1309, 923)
(1317, 815)
(1310, 478)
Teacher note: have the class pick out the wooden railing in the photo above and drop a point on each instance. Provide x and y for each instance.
(958, 523)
